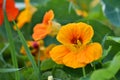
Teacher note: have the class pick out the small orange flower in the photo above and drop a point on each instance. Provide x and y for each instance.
(11, 10)
(35, 47)
(38, 50)
(44, 28)
(44, 54)
(76, 50)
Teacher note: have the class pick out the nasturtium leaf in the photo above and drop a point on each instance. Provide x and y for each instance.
(115, 66)
(50, 40)
(111, 9)
(114, 49)
(49, 64)
(96, 13)
(102, 74)
(59, 74)
(106, 64)
(116, 39)
(106, 51)
(45, 75)
(109, 72)
(29, 74)
(77, 74)
(87, 77)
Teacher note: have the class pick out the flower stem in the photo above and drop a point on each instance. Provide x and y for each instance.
(93, 66)
(83, 70)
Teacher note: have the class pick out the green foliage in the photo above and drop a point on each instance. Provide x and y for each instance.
(6, 70)
(106, 51)
(27, 51)
(12, 46)
(5, 47)
(115, 47)
(49, 64)
(116, 39)
(29, 74)
(96, 13)
(106, 68)
(60, 74)
(109, 72)
(111, 9)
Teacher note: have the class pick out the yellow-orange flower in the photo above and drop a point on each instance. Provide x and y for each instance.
(26, 15)
(44, 28)
(76, 49)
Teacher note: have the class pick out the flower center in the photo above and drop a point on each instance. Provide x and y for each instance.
(77, 42)
(35, 45)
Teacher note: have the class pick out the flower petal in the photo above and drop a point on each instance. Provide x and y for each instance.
(11, 10)
(40, 31)
(1, 1)
(90, 53)
(72, 60)
(48, 17)
(82, 57)
(97, 51)
(58, 52)
(1, 12)
(75, 31)
(1, 17)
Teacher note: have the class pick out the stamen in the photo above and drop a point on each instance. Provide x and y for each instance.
(79, 43)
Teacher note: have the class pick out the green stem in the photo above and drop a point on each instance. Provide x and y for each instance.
(83, 70)
(93, 66)
(39, 62)
(12, 46)
(11, 41)
(31, 58)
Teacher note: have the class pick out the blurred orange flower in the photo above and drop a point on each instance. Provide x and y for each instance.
(11, 10)
(34, 47)
(38, 50)
(76, 50)
(81, 12)
(26, 15)
(44, 28)
(45, 53)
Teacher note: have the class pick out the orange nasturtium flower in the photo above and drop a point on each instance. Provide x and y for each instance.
(26, 15)
(11, 10)
(76, 49)
(44, 28)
